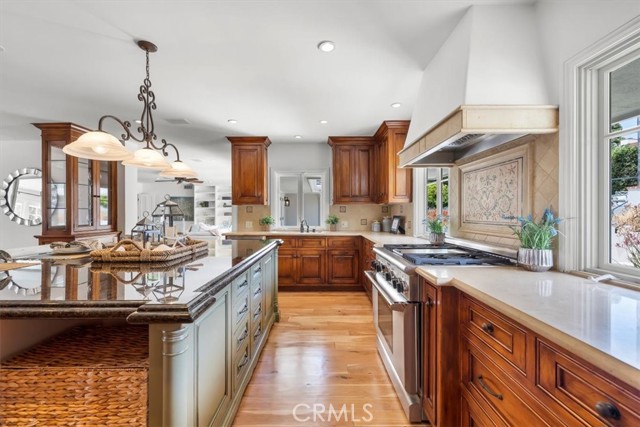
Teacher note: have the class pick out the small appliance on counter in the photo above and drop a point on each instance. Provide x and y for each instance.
(397, 225)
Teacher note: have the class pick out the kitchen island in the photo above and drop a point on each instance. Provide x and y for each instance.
(208, 319)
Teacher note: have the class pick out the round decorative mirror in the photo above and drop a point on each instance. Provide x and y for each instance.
(21, 196)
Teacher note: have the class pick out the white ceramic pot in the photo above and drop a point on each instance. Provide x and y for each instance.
(436, 238)
(535, 259)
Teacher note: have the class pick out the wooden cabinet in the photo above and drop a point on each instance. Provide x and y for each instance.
(249, 170)
(79, 196)
(353, 169)
(511, 376)
(393, 184)
(440, 377)
(367, 257)
(319, 263)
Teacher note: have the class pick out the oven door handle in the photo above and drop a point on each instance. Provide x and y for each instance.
(394, 304)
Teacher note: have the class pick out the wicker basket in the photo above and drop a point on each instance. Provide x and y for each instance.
(133, 252)
(88, 376)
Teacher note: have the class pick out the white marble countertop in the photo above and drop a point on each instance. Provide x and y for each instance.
(598, 322)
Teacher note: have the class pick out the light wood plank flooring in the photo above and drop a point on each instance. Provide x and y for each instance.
(322, 353)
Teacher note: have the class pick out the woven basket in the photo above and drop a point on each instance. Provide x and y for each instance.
(88, 376)
(133, 252)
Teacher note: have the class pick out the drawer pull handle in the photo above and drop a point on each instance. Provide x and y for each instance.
(608, 410)
(243, 310)
(487, 327)
(245, 360)
(258, 291)
(243, 337)
(487, 389)
(243, 284)
(258, 332)
(257, 313)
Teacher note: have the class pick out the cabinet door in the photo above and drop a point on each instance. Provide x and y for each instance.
(248, 170)
(105, 190)
(84, 192)
(401, 180)
(287, 271)
(382, 171)
(55, 191)
(429, 343)
(311, 266)
(343, 267)
(362, 173)
(342, 173)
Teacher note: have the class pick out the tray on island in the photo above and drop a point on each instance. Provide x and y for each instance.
(129, 251)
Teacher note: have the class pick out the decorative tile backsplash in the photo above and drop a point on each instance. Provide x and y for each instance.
(492, 192)
(538, 188)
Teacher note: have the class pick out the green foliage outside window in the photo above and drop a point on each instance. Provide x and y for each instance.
(432, 194)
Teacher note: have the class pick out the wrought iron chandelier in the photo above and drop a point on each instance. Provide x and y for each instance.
(100, 145)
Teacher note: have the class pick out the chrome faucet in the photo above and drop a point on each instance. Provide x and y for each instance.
(303, 224)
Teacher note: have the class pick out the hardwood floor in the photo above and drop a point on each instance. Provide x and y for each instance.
(321, 356)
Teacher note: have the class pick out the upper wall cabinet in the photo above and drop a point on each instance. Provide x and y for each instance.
(249, 170)
(353, 169)
(79, 197)
(393, 184)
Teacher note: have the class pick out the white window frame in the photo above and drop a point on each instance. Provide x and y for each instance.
(581, 154)
(420, 199)
(301, 175)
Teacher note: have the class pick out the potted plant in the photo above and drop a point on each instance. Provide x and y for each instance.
(436, 226)
(267, 222)
(535, 252)
(332, 221)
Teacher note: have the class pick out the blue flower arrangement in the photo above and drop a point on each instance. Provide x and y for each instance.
(536, 235)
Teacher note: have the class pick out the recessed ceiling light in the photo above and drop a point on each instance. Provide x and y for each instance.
(232, 121)
(326, 46)
(396, 105)
(138, 121)
(298, 137)
(1, 48)
(323, 122)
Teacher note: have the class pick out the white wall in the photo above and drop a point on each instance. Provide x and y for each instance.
(567, 28)
(299, 157)
(17, 155)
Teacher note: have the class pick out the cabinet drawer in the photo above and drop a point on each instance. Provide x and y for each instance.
(240, 285)
(240, 365)
(493, 388)
(312, 242)
(256, 273)
(342, 242)
(256, 338)
(495, 331)
(240, 310)
(240, 337)
(287, 242)
(588, 395)
(256, 314)
(256, 294)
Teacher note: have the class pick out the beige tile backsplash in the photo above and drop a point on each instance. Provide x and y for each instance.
(357, 217)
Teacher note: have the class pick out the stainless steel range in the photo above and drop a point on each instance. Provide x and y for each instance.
(396, 307)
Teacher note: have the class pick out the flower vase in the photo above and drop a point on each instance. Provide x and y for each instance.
(333, 227)
(436, 238)
(535, 259)
(267, 227)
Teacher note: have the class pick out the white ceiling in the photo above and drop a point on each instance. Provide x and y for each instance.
(253, 61)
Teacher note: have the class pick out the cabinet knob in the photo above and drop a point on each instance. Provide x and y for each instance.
(487, 327)
(607, 410)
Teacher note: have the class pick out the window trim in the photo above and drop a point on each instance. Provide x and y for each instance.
(420, 199)
(580, 136)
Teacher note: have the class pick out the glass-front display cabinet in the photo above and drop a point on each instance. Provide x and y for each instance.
(79, 196)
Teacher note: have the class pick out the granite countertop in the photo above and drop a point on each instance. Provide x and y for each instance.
(379, 238)
(140, 293)
(598, 322)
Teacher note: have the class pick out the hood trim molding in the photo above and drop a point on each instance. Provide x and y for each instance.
(470, 129)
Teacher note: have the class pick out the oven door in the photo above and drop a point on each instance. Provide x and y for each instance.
(396, 324)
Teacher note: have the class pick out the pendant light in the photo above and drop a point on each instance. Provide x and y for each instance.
(100, 145)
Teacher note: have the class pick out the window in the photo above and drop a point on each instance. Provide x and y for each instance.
(299, 195)
(434, 200)
(599, 159)
(619, 111)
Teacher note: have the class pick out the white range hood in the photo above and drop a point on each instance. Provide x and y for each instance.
(485, 86)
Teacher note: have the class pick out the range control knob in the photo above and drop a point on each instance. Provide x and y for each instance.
(402, 286)
(388, 276)
(396, 283)
(374, 264)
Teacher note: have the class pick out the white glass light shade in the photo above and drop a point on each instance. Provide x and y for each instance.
(97, 145)
(146, 158)
(179, 169)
